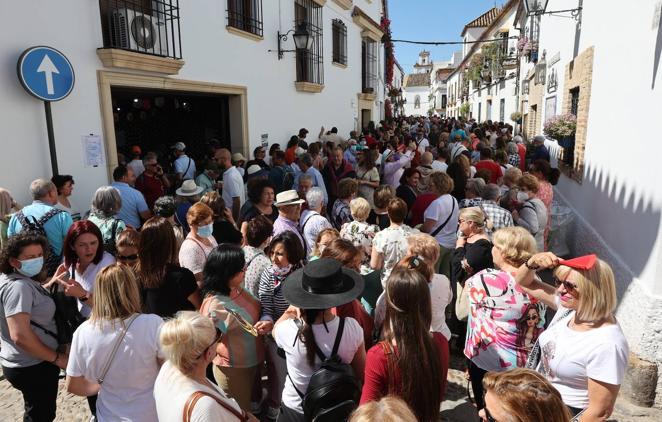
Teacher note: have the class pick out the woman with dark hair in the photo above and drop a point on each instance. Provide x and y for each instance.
(341, 213)
(287, 256)
(309, 325)
(258, 235)
(29, 355)
(379, 215)
(259, 154)
(234, 310)
(165, 286)
(367, 176)
(64, 184)
(261, 195)
(225, 229)
(128, 245)
(547, 178)
(411, 362)
(408, 184)
(460, 171)
(290, 149)
(84, 257)
(527, 333)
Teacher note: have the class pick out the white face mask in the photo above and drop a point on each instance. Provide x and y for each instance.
(522, 196)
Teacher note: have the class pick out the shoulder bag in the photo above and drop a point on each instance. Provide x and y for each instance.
(116, 346)
(440, 228)
(197, 395)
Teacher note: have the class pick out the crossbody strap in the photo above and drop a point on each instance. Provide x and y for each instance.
(197, 395)
(115, 347)
(438, 229)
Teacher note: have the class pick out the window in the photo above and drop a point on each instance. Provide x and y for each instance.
(504, 44)
(444, 101)
(574, 101)
(480, 110)
(246, 15)
(502, 109)
(488, 114)
(417, 101)
(369, 65)
(339, 36)
(310, 62)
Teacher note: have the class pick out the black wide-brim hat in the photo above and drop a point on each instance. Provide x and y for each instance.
(322, 284)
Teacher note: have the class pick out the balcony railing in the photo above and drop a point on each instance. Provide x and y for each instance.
(145, 26)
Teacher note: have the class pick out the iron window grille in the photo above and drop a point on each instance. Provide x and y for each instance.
(339, 36)
(246, 15)
(310, 63)
(369, 65)
(145, 26)
(574, 101)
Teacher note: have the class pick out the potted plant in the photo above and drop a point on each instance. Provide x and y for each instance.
(561, 127)
(464, 109)
(516, 117)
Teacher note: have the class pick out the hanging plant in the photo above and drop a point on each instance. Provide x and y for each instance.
(516, 116)
(523, 45)
(561, 126)
(389, 51)
(388, 110)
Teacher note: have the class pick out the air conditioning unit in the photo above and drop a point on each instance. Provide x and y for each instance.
(139, 32)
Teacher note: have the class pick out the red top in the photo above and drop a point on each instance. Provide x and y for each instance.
(151, 187)
(355, 310)
(418, 209)
(521, 150)
(494, 169)
(375, 383)
(290, 154)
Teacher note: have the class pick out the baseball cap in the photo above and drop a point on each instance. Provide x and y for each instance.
(179, 146)
(238, 156)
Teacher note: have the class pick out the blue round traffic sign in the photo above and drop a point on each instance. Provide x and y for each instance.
(45, 73)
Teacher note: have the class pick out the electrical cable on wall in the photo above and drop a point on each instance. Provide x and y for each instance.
(453, 42)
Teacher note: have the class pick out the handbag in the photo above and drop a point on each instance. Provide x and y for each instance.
(116, 346)
(462, 303)
(534, 355)
(197, 395)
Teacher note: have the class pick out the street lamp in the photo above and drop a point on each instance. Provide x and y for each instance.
(535, 7)
(302, 39)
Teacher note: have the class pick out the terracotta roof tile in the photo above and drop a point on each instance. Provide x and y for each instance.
(483, 20)
(418, 79)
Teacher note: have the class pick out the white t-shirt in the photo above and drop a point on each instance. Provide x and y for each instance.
(439, 166)
(193, 253)
(439, 211)
(87, 279)
(233, 187)
(172, 389)
(440, 295)
(182, 163)
(422, 145)
(137, 166)
(127, 391)
(297, 364)
(569, 358)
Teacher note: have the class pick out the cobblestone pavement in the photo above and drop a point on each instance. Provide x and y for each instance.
(455, 408)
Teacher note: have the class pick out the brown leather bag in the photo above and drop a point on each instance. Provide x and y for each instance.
(197, 395)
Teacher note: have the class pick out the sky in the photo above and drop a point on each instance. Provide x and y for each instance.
(432, 20)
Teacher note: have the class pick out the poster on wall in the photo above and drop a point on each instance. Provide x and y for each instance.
(93, 153)
(550, 107)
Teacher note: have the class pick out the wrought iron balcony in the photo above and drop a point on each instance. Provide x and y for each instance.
(144, 26)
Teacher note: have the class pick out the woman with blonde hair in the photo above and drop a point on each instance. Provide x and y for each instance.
(584, 352)
(360, 233)
(388, 409)
(7, 204)
(496, 303)
(473, 249)
(116, 353)
(521, 395)
(189, 344)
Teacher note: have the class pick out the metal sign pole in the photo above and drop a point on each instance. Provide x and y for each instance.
(51, 137)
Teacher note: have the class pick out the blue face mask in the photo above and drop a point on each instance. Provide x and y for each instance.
(31, 267)
(206, 231)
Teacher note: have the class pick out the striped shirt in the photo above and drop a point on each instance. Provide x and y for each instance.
(271, 293)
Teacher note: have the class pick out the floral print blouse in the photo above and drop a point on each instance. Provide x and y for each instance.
(504, 322)
(361, 234)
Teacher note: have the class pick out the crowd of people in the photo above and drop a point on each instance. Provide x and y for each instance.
(327, 280)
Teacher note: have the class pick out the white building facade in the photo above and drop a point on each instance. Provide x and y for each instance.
(573, 66)
(416, 89)
(173, 71)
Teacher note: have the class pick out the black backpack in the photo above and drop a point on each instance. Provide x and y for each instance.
(35, 226)
(333, 391)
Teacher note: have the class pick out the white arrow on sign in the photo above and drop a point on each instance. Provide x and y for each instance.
(48, 68)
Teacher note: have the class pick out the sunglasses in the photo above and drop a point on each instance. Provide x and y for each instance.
(127, 257)
(217, 338)
(568, 285)
(532, 318)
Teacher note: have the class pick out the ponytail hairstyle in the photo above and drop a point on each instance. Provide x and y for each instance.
(408, 318)
(306, 334)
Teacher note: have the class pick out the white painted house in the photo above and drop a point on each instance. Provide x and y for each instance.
(416, 89)
(611, 80)
(155, 72)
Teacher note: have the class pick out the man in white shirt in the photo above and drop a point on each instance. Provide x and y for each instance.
(332, 136)
(233, 184)
(184, 165)
(421, 141)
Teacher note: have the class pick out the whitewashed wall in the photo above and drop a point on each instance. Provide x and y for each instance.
(211, 54)
(410, 94)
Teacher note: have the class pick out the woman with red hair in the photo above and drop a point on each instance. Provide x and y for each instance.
(84, 257)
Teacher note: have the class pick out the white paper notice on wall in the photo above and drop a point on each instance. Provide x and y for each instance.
(93, 152)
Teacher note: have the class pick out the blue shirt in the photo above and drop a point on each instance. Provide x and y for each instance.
(318, 181)
(133, 203)
(56, 228)
(181, 165)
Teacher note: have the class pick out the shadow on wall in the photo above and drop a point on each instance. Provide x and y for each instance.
(627, 227)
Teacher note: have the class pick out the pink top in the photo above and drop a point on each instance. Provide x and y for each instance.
(193, 253)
